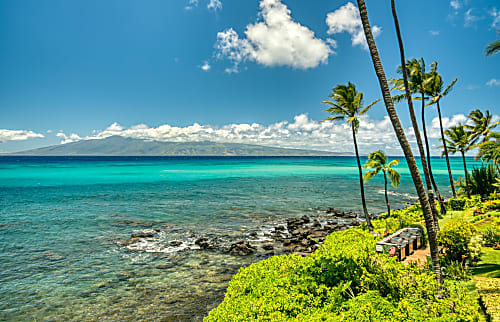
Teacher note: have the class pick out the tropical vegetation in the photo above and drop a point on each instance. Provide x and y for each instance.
(378, 162)
(345, 279)
(347, 104)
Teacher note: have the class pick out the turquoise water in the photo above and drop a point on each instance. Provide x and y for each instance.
(61, 220)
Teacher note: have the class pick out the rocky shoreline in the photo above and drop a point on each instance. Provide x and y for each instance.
(300, 235)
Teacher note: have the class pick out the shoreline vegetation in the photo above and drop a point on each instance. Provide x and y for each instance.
(343, 279)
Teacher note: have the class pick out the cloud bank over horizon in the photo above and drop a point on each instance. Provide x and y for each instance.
(302, 133)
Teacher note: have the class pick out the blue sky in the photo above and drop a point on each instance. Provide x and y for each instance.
(225, 70)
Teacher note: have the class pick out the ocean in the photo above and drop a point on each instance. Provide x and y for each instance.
(62, 220)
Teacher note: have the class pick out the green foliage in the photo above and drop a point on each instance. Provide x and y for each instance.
(456, 270)
(462, 203)
(491, 237)
(481, 180)
(456, 236)
(343, 281)
(489, 205)
(489, 290)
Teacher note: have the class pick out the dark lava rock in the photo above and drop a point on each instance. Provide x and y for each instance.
(241, 248)
(206, 244)
(253, 234)
(268, 247)
(175, 243)
(143, 234)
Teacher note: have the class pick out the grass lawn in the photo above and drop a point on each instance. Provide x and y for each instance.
(489, 265)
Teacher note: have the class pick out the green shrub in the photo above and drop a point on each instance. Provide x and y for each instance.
(491, 237)
(456, 203)
(489, 205)
(482, 180)
(343, 281)
(455, 236)
(456, 270)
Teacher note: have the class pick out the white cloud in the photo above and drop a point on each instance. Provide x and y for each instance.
(347, 19)
(68, 138)
(18, 135)
(455, 4)
(214, 5)
(206, 66)
(276, 40)
(434, 32)
(302, 133)
(191, 4)
(496, 17)
(493, 82)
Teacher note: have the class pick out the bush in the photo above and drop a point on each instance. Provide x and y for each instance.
(482, 180)
(490, 205)
(455, 236)
(457, 271)
(491, 237)
(456, 203)
(344, 280)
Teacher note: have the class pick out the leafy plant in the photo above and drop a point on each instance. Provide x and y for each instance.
(457, 271)
(456, 236)
(482, 180)
(344, 280)
(491, 237)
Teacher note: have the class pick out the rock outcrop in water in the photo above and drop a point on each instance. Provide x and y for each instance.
(300, 235)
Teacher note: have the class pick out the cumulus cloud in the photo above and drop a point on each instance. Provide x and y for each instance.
(68, 138)
(18, 135)
(347, 19)
(493, 82)
(214, 5)
(206, 66)
(455, 4)
(275, 40)
(301, 133)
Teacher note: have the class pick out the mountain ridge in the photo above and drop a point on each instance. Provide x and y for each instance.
(120, 146)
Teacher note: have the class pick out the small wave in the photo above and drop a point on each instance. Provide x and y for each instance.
(393, 193)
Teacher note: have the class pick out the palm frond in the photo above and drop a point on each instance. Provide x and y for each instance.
(363, 111)
(395, 177)
(370, 175)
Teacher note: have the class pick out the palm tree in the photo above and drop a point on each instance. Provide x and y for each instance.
(460, 140)
(400, 134)
(493, 47)
(347, 102)
(378, 161)
(489, 151)
(482, 124)
(418, 84)
(437, 93)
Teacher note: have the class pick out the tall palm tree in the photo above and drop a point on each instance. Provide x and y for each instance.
(489, 151)
(481, 124)
(493, 47)
(347, 103)
(460, 140)
(418, 84)
(378, 162)
(435, 82)
(400, 134)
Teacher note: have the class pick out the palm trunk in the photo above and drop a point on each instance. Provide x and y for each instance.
(386, 198)
(400, 134)
(427, 148)
(466, 176)
(446, 151)
(363, 201)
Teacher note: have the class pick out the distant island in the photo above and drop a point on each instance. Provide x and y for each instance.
(120, 146)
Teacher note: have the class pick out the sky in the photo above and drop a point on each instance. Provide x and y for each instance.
(253, 71)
